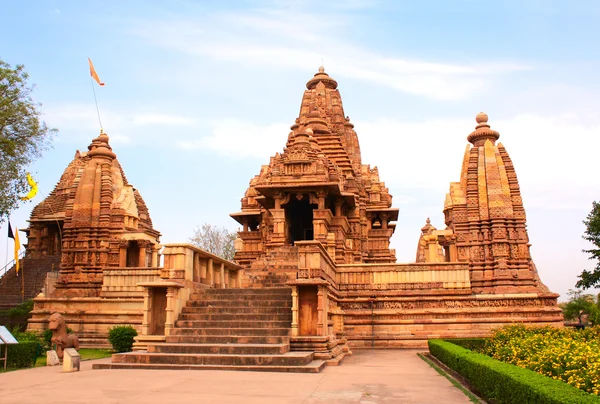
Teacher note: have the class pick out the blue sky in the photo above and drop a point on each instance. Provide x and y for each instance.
(198, 95)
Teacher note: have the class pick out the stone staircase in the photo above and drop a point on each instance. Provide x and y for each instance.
(34, 271)
(227, 329)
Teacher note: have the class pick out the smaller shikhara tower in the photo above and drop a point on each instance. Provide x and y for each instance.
(95, 221)
(485, 219)
(317, 189)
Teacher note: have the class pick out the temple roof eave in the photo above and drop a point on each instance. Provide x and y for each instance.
(269, 190)
(393, 212)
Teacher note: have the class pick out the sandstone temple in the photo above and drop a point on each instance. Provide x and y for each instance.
(313, 276)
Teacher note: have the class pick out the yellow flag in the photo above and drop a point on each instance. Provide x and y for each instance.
(34, 188)
(93, 73)
(17, 248)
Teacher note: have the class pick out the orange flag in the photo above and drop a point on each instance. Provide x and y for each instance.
(93, 73)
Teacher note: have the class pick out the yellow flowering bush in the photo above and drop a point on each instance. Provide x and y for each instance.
(566, 354)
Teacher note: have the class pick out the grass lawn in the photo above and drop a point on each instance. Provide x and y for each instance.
(85, 353)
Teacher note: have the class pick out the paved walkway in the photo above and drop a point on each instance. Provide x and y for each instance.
(368, 377)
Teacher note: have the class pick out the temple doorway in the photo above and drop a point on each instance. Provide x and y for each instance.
(299, 218)
(133, 255)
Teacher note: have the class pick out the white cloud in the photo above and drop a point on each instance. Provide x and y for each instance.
(242, 139)
(274, 38)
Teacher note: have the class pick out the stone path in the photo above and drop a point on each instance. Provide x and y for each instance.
(368, 377)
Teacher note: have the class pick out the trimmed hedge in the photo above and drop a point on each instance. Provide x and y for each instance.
(474, 344)
(121, 337)
(503, 383)
(23, 354)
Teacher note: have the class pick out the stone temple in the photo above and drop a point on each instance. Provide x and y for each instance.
(313, 275)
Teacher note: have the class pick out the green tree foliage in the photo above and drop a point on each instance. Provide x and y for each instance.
(589, 279)
(579, 306)
(23, 136)
(216, 240)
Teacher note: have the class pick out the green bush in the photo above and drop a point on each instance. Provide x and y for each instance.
(23, 354)
(474, 344)
(121, 337)
(503, 383)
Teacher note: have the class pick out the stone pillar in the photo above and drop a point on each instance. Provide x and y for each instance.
(226, 282)
(279, 228)
(210, 273)
(384, 220)
(294, 311)
(142, 255)
(222, 275)
(154, 262)
(338, 207)
(453, 253)
(170, 321)
(146, 312)
(123, 253)
(321, 311)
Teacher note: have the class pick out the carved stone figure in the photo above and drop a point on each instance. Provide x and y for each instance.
(59, 335)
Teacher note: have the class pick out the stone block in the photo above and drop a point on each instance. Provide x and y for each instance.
(71, 360)
(52, 358)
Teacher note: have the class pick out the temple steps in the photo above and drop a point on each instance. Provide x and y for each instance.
(228, 339)
(227, 329)
(240, 303)
(234, 310)
(231, 331)
(313, 367)
(220, 348)
(235, 316)
(249, 324)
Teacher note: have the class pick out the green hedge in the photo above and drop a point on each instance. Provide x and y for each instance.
(23, 354)
(474, 344)
(504, 383)
(121, 337)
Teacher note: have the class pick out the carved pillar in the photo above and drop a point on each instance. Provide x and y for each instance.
(123, 244)
(294, 311)
(222, 280)
(143, 245)
(226, 283)
(321, 311)
(210, 273)
(154, 262)
(146, 312)
(453, 253)
(384, 220)
(170, 321)
(338, 207)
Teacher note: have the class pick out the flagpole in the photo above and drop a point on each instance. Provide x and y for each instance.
(96, 101)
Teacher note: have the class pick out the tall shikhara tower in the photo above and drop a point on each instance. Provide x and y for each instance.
(317, 189)
(485, 218)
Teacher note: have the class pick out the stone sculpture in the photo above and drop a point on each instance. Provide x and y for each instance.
(60, 337)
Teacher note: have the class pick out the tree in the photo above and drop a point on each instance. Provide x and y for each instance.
(579, 305)
(215, 240)
(589, 279)
(23, 136)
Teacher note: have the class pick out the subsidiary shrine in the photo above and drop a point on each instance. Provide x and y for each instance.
(313, 275)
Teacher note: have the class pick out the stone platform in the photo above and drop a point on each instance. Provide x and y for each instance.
(390, 376)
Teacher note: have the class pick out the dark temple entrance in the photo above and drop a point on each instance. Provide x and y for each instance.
(299, 217)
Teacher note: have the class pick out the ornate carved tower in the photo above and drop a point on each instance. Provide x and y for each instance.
(317, 189)
(96, 220)
(485, 218)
